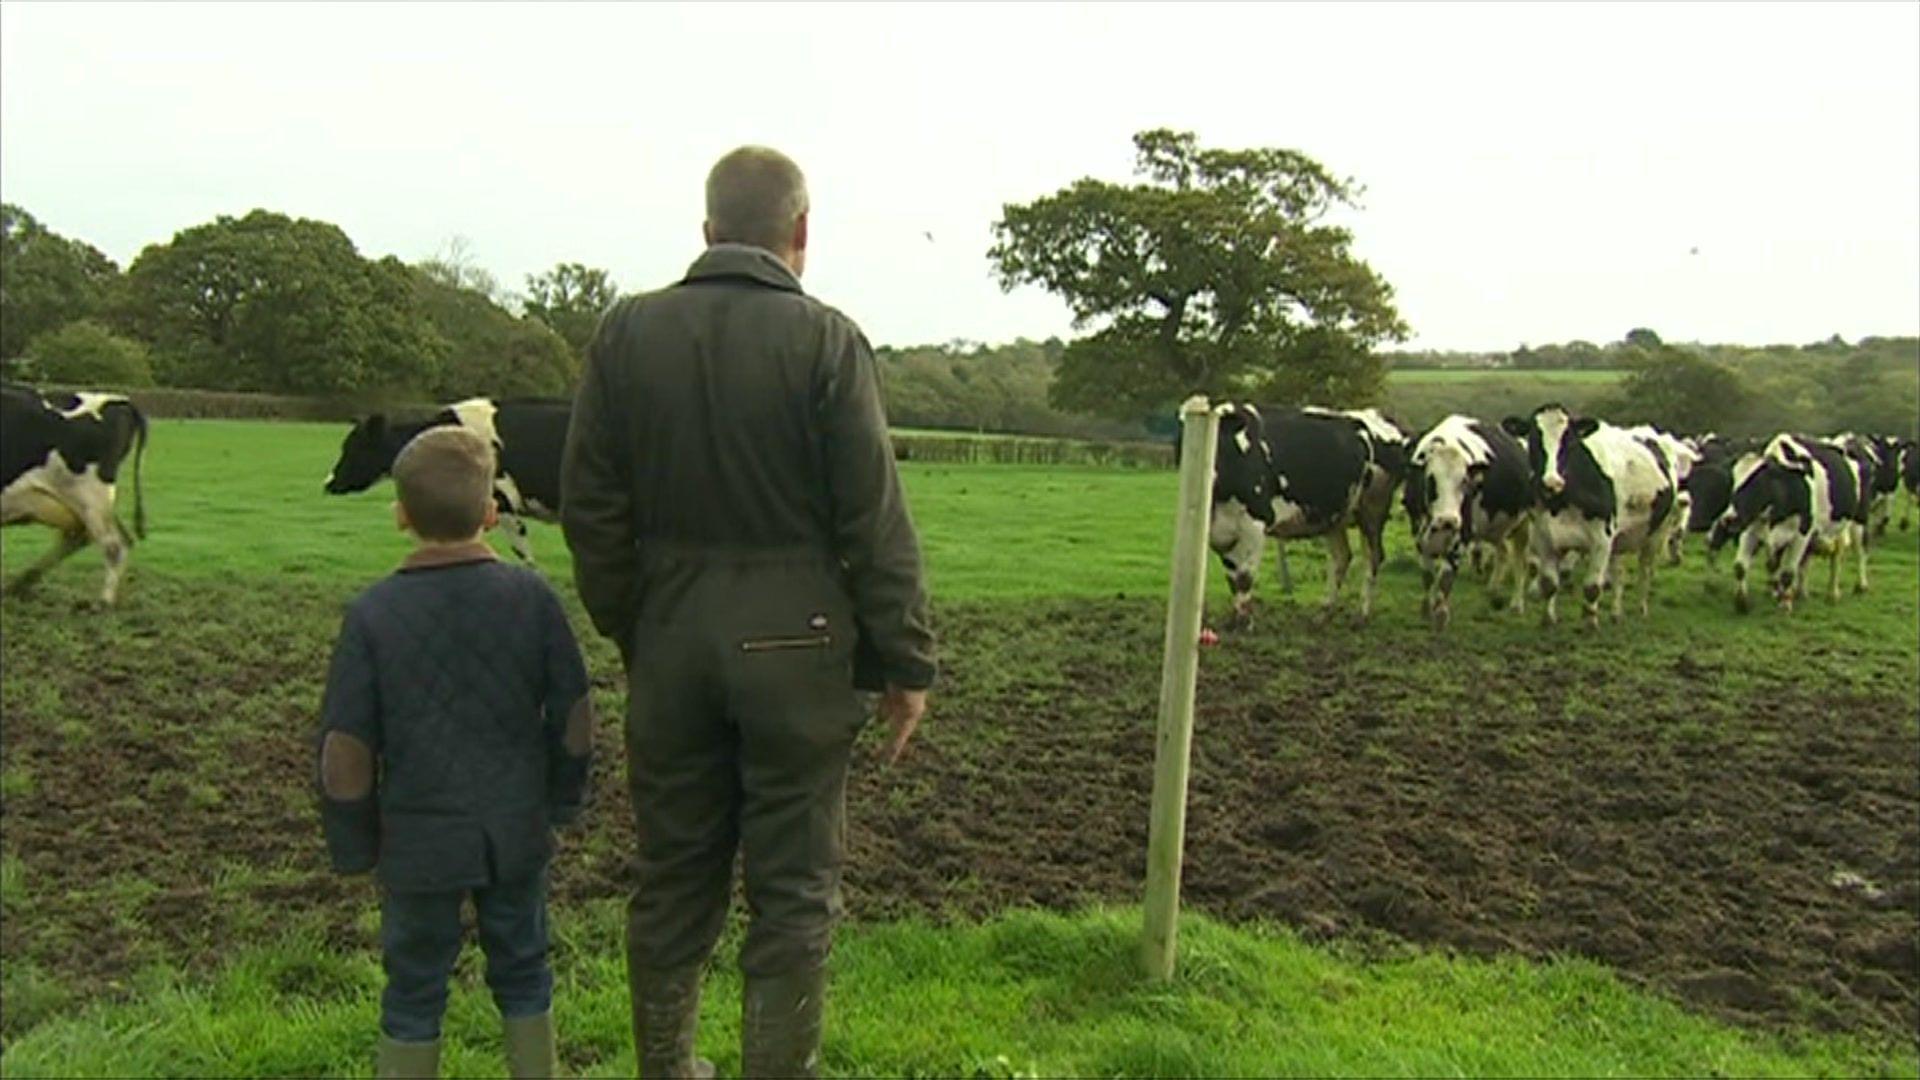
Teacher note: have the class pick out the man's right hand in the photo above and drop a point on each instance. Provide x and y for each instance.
(901, 710)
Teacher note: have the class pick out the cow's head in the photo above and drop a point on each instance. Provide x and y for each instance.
(1242, 471)
(1886, 474)
(365, 456)
(1550, 434)
(1450, 479)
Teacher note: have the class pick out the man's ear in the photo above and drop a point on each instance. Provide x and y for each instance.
(492, 518)
(800, 232)
(706, 232)
(400, 519)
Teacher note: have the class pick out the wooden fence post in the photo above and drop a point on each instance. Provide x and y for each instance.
(1180, 668)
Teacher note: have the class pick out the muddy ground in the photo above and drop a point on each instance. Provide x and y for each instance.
(1746, 841)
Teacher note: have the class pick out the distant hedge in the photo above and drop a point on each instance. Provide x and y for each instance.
(956, 448)
(1002, 450)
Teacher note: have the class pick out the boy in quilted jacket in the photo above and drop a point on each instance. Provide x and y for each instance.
(456, 731)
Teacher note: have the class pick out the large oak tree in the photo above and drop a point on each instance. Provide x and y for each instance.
(1218, 273)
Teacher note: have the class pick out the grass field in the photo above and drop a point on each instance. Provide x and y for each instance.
(1476, 375)
(1683, 845)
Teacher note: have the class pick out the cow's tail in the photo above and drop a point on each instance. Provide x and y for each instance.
(139, 451)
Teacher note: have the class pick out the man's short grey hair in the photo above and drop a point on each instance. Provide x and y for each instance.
(754, 196)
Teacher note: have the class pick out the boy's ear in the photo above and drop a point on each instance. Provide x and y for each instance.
(492, 518)
(400, 519)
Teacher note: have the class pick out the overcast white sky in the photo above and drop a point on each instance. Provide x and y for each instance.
(1535, 173)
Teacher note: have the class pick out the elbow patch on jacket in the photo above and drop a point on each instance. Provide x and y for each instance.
(346, 767)
(579, 736)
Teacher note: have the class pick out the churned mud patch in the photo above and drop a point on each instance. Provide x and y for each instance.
(1749, 844)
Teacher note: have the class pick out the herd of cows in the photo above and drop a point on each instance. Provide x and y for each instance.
(1534, 499)
(1540, 498)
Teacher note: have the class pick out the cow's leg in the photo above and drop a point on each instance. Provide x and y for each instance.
(1449, 570)
(1648, 556)
(1339, 558)
(1676, 527)
(516, 527)
(1373, 534)
(1599, 555)
(1618, 583)
(1546, 566)
(1860, 586)
(1790, 573)
(1498, 573)
(1742, 563)
(1428, 576)
(1518, 565)
(69, 542)
(1835, 549)
(96, 514)
(1615, 583)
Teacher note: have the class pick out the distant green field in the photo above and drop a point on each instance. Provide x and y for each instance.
(1423, 375)
(1420, 399)
(237, 498)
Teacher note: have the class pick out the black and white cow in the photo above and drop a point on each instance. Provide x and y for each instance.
(1293, 474)
(1709, 484)
(1879, 456)
(1390, 448)
(1680, 457)
(1798, 497)
(1601, 494)
(1467, 484)
(529, 437)
(60, 458)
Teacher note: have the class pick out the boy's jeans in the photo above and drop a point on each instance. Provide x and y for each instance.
(420, 939)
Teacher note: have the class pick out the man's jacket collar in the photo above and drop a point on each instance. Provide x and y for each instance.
(743, 261)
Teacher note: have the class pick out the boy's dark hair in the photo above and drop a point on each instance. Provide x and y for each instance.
(445, 479)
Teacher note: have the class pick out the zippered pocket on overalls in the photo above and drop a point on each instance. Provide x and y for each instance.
(784, 644)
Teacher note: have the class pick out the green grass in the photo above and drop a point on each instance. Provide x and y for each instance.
(236, 507)
(229, 499)
(13, 884)
(1027, 994)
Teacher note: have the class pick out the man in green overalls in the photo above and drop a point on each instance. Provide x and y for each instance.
(739, 531)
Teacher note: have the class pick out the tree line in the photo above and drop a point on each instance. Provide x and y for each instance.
(1225, 272)
(274, 304)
